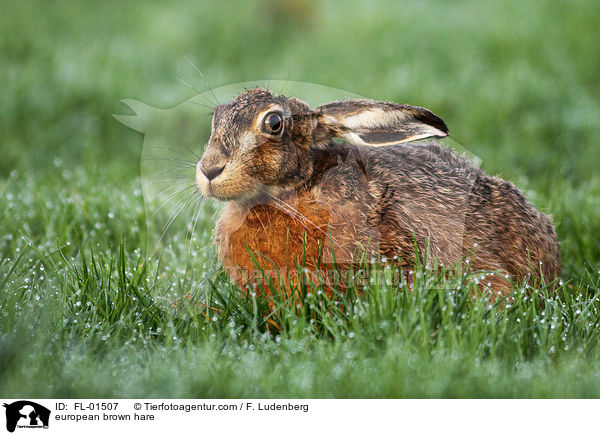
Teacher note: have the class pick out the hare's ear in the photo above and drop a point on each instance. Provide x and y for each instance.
(376, 123)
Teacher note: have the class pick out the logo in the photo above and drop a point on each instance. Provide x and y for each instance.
(26, 414)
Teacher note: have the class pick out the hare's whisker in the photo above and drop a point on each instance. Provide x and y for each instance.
(260, 220)
(286, 209)
(166, 227)
(168, 171)
(191, 163)
(170, 192)
(292, 215)
(169, 198)
(190, 153)
(175, 178)
(290, 210)
(188, 85)
(190, 232)
(186, 163)
(267, 213)
(205, 81)
(171, 188)
(297, 213)
(154, 189)
(199, 104)
(209, 106)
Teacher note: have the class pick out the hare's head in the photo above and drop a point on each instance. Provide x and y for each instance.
(263, 144)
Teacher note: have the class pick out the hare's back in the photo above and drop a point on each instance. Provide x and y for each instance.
(425, 190)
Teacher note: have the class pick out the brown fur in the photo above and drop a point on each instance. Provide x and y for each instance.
(301, 195)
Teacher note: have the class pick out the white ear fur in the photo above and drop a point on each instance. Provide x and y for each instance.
(373, 118)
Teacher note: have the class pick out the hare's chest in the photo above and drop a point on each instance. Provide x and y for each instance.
(282, 235)
(272, 235)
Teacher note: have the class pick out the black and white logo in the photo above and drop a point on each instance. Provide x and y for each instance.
(26, 414)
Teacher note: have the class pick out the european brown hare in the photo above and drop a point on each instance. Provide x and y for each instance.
(302, 184)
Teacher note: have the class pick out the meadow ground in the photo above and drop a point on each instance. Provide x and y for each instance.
(84, 314)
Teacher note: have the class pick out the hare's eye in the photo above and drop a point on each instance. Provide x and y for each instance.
(273, 123)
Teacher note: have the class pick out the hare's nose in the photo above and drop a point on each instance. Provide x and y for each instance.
(212, 171)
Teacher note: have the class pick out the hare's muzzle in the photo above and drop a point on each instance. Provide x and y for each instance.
(202, 181)
(211, 172)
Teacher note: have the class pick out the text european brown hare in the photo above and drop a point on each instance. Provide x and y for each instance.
(302, 184)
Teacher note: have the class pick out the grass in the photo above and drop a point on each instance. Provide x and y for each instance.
(84, 313)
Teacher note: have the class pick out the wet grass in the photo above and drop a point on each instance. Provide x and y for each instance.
(83, 313)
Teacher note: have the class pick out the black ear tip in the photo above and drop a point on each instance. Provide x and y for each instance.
(442, 126)
(430, 118)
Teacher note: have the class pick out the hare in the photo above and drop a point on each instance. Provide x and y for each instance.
(318, 186)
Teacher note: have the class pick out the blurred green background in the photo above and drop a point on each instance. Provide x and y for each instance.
(517, 83)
